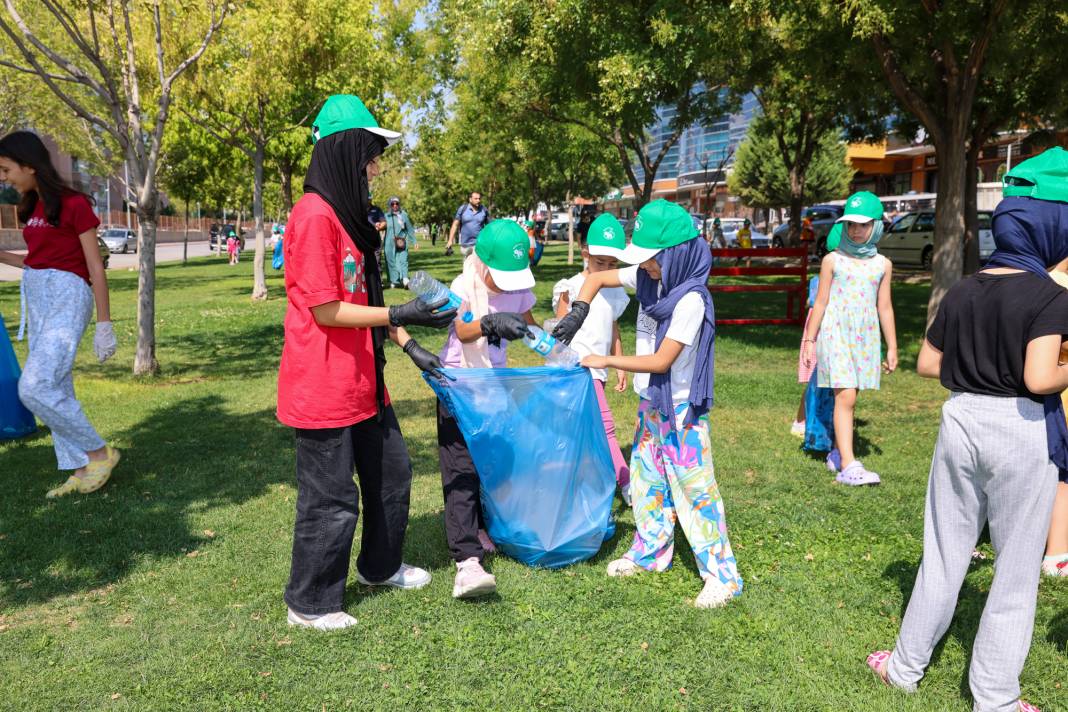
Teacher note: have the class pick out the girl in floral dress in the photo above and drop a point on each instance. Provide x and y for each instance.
(843, 328)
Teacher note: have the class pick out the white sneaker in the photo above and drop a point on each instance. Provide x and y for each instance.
(798, 428)
(472, 580)
(407, 577)
(624, 492)
(327, 621)
(622, 567)
(714, 595)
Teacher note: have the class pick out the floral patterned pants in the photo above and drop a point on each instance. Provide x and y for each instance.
(673, 479)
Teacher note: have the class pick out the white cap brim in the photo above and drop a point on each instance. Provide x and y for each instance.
(391, 136)
(512, 281)
(605, 250)
(852, 217)
(635, 255)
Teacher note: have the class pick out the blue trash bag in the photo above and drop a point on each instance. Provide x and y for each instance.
(538, 443)
(15, 420)
(278, 260)
(819, 417)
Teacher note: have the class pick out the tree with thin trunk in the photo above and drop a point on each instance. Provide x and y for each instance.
(933, 56)
(95, 58)
(232, 99)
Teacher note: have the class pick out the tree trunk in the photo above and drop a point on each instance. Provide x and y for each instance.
(971, 210)
(797, 204)
(259, 283)
(145, 363)
(949, 217)
(570, 233)
(285, 172)
(185, 236)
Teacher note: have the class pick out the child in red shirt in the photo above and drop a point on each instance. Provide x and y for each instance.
(63, 276)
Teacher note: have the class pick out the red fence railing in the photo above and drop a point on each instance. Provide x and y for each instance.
(796, 292)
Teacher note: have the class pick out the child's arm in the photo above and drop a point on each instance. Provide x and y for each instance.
(660, 362)
(929, 362)
(886, 318)
(563, 304)
(596, 282)
(1043, 374)
(823, 295)
(617, 350)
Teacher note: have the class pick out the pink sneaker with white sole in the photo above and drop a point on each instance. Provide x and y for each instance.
(1028, 707)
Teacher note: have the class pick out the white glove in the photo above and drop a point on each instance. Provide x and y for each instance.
(104, 343)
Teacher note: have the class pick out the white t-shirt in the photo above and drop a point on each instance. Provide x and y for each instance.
(686, 321)
(595, 336)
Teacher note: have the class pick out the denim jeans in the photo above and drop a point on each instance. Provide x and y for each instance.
(328, 508)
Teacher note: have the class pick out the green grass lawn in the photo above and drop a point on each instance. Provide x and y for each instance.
(164, 590)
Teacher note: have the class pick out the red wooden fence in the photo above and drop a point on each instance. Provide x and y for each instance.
(796, 292)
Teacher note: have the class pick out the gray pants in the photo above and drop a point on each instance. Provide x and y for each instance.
(990, 465)
(59, 305)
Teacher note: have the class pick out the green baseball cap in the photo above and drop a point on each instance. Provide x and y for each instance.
(1044, 177)
(606, 237)
(659, 225)
(342, 112)
(862, 207)
(834, 237)
(504, 247)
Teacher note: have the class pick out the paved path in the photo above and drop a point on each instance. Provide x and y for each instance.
(167, 252)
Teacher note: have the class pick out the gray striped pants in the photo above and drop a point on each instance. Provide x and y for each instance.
(59, 305)
(990, 465)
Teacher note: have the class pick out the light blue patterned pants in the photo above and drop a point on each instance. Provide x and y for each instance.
(59, 305)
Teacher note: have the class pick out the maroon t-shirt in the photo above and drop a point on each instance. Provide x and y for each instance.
(57, 246)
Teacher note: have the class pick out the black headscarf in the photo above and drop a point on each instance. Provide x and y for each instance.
(338, 174)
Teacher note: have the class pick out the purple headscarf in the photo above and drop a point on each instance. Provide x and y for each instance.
(1032, 235)
(684, 268)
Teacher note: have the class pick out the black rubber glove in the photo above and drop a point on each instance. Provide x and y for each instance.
(570, 324)
(419, 313)
(422, 358)
(503, 325)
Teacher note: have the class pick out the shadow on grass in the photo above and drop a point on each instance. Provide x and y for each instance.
(188, 456)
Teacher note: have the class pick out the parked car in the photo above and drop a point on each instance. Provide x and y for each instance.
(558, 227)
(910, 240)
(221, 232)
(105, 253)
(120, 239)
(822, 217)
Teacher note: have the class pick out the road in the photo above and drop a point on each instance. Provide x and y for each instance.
(167, 252)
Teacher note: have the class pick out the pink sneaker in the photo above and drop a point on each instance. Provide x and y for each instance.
(472, 580)
(1028, 707)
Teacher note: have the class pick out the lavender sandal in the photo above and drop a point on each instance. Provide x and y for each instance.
(855, 475)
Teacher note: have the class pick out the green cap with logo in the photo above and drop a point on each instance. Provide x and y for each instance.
(660, 224)
(1044, 177)
(342, 112)
(504, 247)
(606, 236)
(862, 207)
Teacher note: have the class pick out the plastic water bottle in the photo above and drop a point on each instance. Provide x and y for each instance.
(556, 353)
(431, 290)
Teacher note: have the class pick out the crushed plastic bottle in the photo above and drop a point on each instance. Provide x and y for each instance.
(431, 290)
(556, 353)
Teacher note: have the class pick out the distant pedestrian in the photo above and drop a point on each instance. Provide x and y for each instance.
(400, 238)
(469, 220)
